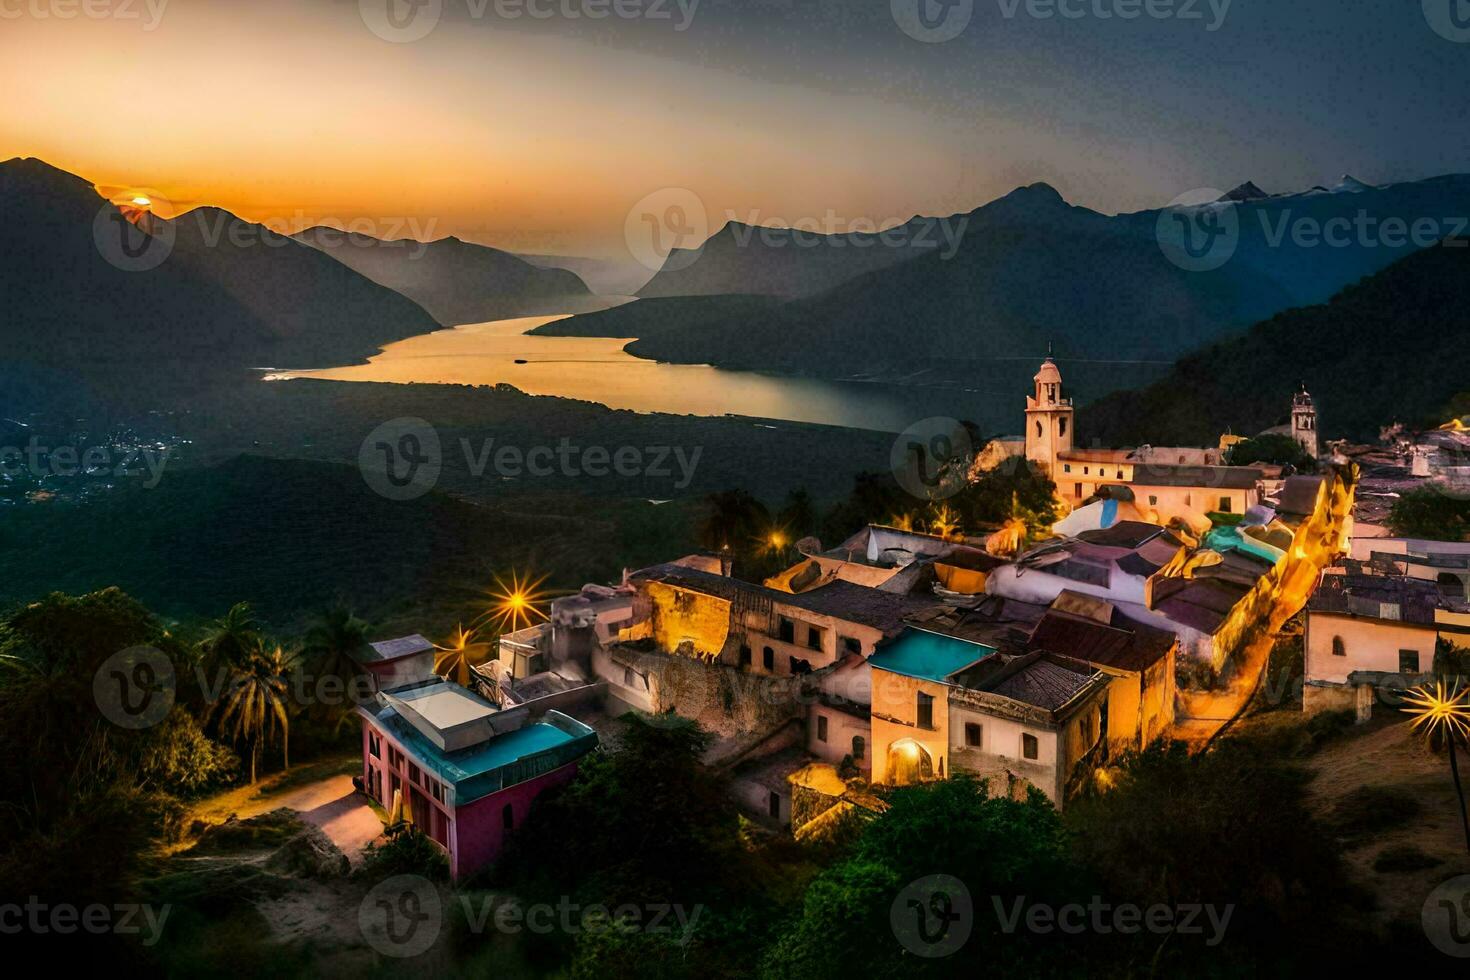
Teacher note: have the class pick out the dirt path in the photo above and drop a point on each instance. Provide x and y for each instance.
(1203, 715)
(321, 792)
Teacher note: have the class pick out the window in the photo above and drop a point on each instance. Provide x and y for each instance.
(787, 631)
(375, 745)
(395, 784)
(821, 728)
(850, 645)
(773, 805)
(1086, 470)
(924, 711)
(972, 734)
(1066, 467)
(1187, 501)
(813, 638)
(1062, 426)
(745, 654)
(1084, 728)
(508, 817)
(1120, 474)
(768, 658)
(1224, 505)
(1038, 428)
(859, 748)
(414, 775)
(1408, 661)
(1339, 649)
(436, 789)
(1076, 489)
(627, 676)
(1153, 501)
(1030, 748)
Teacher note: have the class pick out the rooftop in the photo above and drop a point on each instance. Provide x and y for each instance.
(386, 650)
(1121, 644)
(1382, 597)
(1214, 477)
(1043, 680)
(928, 656)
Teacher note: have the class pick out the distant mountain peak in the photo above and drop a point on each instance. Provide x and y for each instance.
(1348, 184)
(1038, 193)
(1245, 192)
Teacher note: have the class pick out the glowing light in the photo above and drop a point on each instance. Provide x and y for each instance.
(1440, 712)
(516, 605)
(456, 657)
(142, 202)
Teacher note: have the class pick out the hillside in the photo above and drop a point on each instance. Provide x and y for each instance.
(1388, 348)
(456, 281)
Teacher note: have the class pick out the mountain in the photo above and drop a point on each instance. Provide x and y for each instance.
(1245, 192)
(456, 281)
(1030, 269)
(606, 277)
(318, 311)
(1389, 348)
(1348, 184)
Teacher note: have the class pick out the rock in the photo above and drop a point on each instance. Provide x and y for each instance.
(309, 854)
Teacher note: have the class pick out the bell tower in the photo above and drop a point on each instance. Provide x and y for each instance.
(1304, 421)
(1048, 419)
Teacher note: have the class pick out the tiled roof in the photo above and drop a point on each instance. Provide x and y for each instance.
(1123, 647)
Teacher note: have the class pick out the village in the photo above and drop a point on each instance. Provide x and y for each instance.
(898, 656)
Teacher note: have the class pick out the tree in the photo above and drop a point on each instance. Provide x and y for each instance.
(232, 639)
(1443, 718)
(254, 707)
(1015, 489)
(1428, 513)
(1272, 448)
(332, 640)
(798, 514)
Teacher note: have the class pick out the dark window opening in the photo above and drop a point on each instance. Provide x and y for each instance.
(972, 734)
(787, 631)
(924, 711)
(774, 805)
(1030, 748)
(768, 658)
(821, 728)
(1408, 661)
(859, 748)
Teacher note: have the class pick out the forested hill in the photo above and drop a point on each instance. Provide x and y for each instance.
(1390, 347)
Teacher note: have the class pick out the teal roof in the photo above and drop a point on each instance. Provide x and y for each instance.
(928, 656)
(499, 762)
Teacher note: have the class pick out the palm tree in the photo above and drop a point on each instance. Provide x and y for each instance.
(733, 520)
(462, 651)
(232, 638)
(331, 642)
(256, 704)
(1443, 718)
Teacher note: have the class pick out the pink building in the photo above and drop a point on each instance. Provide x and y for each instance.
(467, 770)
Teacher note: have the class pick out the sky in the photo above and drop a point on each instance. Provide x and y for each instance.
(543, 133)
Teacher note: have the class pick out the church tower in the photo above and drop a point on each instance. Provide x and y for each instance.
(1048, 419)
(1304, 421)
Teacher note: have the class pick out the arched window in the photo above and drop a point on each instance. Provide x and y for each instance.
(859, 748)
(1062, 426)
(1038, 428)
(1339, 649)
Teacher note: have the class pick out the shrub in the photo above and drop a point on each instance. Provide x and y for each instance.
(407, 851)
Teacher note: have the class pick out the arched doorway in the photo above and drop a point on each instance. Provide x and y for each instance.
(1451, 585)
(909, 763)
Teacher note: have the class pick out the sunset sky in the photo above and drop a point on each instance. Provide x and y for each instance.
(539, 135)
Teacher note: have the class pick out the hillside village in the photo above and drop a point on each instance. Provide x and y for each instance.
(899, 656)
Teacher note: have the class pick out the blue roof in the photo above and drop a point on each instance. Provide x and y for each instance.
(928, 656)
(498, 762)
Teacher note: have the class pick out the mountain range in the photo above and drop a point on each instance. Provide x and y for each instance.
(1029, 270)
(456, 281)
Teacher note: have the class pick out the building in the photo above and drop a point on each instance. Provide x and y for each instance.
(1049, 419)
(941, 703)
(462, 770)
(1366, 634)
(1138, 659)
(1304, 422)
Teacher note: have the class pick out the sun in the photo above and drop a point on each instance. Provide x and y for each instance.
(142, 202)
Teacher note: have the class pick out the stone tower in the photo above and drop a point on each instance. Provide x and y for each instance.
(1048, 419)
(1304, 421)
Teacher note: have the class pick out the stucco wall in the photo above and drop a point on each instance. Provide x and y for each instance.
(841, 729)
(894, 719)
(1368, 644)
(477, 832)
